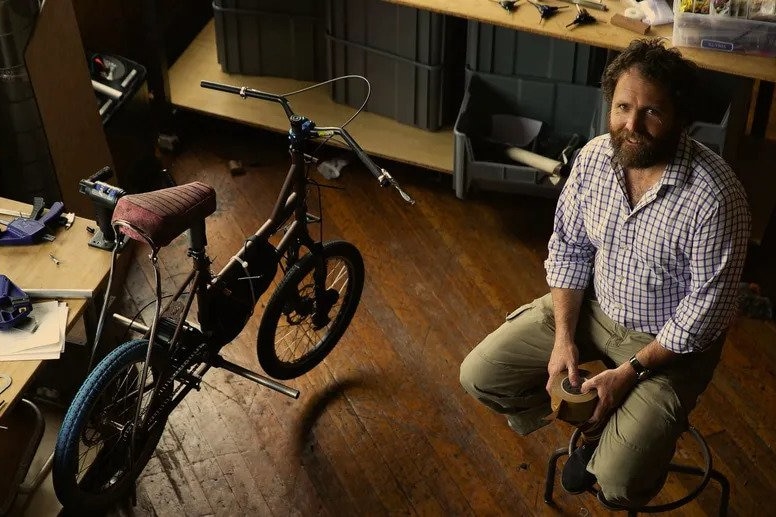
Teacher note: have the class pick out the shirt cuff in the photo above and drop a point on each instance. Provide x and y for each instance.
(568, 275)
(678, 340)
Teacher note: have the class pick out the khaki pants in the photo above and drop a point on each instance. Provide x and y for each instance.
(508, 372)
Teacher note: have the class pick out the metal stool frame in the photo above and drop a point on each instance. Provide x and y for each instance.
(706, 474)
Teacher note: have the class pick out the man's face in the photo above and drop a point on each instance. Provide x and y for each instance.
(643, 123)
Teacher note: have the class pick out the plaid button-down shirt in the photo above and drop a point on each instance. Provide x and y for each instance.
(668, 267)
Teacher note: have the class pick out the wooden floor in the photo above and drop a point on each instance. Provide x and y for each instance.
(382, 427)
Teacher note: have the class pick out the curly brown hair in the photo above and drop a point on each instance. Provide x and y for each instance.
(661, 65)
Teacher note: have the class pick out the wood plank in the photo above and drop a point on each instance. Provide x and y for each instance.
(433, 150)
(382, 424)
(601, 34)
(63, 92)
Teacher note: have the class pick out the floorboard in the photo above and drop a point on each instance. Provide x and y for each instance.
(382, 426)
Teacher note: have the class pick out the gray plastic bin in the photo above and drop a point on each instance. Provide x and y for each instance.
(721, 113)
(564, 108)
(412, 58)
(271, 38)
(503, 51)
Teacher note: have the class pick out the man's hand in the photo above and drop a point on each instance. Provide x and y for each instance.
(612, 387)
(564, 357)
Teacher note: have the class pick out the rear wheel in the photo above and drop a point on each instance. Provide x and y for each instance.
(93, 468)
(298, 329)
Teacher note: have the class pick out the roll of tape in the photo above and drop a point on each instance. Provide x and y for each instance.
(633, 13)
(567, 403)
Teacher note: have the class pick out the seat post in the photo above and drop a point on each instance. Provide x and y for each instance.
(197, 236)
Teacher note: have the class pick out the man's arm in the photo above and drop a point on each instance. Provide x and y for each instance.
(565, 356)
(613, 385)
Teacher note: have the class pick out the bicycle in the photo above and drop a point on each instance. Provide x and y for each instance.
(117, 417)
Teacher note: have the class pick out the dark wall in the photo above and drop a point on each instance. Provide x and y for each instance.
(119, 26)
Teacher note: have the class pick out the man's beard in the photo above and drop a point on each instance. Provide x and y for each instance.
(646, 152)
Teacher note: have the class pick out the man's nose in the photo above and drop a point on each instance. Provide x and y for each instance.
(634, 121)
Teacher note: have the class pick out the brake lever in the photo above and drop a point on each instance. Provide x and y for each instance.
(386, 176)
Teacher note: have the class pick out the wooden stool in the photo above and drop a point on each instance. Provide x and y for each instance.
(705, 474)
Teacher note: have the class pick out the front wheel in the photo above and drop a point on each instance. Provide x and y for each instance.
(93, 468)
(300, 327)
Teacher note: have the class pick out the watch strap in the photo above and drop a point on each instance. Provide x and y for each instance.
(639, 368)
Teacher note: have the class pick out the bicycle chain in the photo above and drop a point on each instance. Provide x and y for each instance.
(167, 384)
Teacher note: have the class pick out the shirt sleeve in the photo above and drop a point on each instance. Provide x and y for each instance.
(569, 263)
(717, 254)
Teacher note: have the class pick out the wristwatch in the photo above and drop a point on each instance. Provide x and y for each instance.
(641, 372)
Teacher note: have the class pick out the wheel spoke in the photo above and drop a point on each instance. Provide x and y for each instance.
(293, 337)
(302, 335)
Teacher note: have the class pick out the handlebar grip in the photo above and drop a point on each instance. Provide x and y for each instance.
(249, 92)
(220, 87)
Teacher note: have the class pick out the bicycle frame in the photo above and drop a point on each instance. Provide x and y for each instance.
(224, 300)
(291, 204)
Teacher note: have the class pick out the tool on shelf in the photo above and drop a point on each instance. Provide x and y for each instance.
(583, 18)
(508, 5)
(546, 11)
(15, 306)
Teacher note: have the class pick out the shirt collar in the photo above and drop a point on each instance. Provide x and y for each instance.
(677, 171)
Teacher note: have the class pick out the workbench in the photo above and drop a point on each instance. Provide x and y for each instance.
(82, 270)
(383, 137)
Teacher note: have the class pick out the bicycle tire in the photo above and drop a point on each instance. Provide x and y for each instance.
(293, 301)
(107, 478)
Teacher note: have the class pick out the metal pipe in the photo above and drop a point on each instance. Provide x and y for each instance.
(255, 377)
(134, 325)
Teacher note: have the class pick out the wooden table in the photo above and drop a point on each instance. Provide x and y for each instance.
(602, 34)
(81, 268)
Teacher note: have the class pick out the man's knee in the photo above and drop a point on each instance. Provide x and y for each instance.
(472, 372)
(631, 489)
(631, 475)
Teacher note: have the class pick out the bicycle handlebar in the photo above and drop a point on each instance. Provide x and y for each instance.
(382, 175)
(250, 92)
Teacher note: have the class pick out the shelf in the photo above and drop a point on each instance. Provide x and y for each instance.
(379, 136)
(601, 34)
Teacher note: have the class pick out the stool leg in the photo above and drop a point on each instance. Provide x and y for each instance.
(552, 467)
(724, 498)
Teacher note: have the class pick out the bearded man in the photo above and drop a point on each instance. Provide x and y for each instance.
(648, 246)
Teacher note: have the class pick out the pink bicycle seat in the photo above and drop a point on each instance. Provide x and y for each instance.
(159, 216)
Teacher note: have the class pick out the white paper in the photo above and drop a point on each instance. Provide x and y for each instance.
(48, 342)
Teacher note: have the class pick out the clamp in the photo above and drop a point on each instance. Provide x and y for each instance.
(15, 304)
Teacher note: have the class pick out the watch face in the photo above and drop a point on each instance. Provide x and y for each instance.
(641, 372)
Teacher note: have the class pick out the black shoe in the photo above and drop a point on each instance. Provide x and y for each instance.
(575, 478)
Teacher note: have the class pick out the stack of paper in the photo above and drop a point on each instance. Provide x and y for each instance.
(46, 342)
